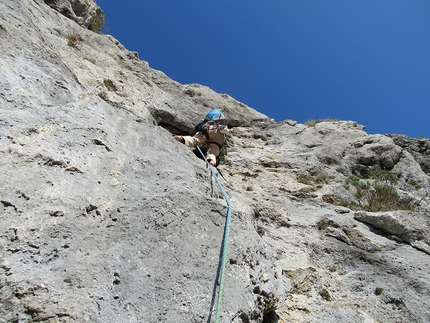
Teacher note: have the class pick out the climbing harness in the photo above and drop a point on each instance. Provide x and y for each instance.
(225, 239)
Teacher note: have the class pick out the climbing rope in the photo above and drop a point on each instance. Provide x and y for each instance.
(225, 239)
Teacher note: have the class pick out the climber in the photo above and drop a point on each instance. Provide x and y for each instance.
(211, 130)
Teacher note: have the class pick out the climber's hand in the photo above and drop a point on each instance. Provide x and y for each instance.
(179, 138)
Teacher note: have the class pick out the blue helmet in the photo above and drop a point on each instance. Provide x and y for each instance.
(216, 116)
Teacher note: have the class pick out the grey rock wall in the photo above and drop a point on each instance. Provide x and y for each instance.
(105, 218)
(344, 265)
(84, 12)
(418, 147)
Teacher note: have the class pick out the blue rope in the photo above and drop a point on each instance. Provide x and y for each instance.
(225, 240)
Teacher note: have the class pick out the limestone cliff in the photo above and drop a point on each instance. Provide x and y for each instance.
(105, 218)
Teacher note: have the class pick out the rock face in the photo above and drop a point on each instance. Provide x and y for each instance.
(418, 147)
(105, 218)
(84, 12)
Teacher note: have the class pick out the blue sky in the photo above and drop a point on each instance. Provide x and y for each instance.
(361, 60)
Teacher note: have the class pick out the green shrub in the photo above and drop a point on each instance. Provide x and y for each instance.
(325, 294)
(355, 181)
(222, 157)
(414, 183)
(386, 198)
(97, 23)
(322, 178)
(319, 178)
(304, 180)
(378, 192)
(379, 174)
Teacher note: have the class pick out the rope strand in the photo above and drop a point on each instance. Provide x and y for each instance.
(225, 240)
